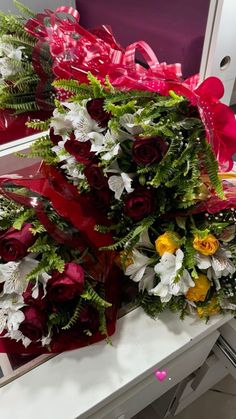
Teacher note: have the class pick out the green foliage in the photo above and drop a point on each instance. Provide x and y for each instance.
(151, 304)
(92, 296)
(97, 88)
(39, 125)
(75, 317)
(51, 260)
(23, 9)
(212, 168)
(22, 218)
(42, 148)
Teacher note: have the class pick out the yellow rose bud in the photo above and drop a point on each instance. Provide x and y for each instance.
(167, 242)
(207, 246)
(211, 308)
(199, 292)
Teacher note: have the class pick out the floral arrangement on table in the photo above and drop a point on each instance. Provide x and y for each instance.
(136, 174)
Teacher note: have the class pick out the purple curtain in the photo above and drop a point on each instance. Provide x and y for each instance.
(175, 29)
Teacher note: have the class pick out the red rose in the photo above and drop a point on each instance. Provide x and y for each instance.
(95, 177)
(53, 137)
(39, 302)
(139, 203)
(80, 150)
(96, 111)
(67, 285)
(34, 325)
(15, 243)
(149, 150)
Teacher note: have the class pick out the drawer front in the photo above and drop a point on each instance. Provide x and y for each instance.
(145, 392)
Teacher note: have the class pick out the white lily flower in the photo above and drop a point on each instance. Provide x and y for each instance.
(120, 183)
(167, 269)
(137, 269)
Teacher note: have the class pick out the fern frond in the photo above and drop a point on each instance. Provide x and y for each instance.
(22, 218)
(23, 9)
(92, 296)
(97, 88)
(75, 317)
(39, 125)
(212, 168)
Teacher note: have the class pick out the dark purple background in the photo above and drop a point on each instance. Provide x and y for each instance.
(175, 29)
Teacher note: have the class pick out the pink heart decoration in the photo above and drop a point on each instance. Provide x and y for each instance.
(160, 375)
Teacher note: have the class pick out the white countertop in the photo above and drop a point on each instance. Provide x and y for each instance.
(73, 383)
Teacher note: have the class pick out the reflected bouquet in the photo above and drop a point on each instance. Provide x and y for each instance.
(136, 175)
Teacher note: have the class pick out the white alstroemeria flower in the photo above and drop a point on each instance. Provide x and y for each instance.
(120, 183)
(107, 144)
(167, 269)
(46, 340)
(15, 318)
(144, 240)
(147, 281)
(13, 274)
(73, 172)
(60, 123)
(10, 51)
(60, 150)
(81, 121)
(7, 67)
(12, 302)
(221, 263)
(3, 320)
(18, 335)
(217, 265)
(128, 122)
(137, 269)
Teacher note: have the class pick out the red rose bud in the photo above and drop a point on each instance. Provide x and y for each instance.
(149, 150)
(14, 243)
(95, 177)
(65, 286)
(40, 302)
(96, 111)
(139, 203)
(53, 137)
(80, 150)
(34, 325)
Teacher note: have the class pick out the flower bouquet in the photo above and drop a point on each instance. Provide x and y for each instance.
(136, 174)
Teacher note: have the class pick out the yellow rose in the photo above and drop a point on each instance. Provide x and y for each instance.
(200, 290)
(167, 242)
(207, 246)
(211, 308)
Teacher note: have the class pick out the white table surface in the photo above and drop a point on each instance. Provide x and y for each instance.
(73, 383)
